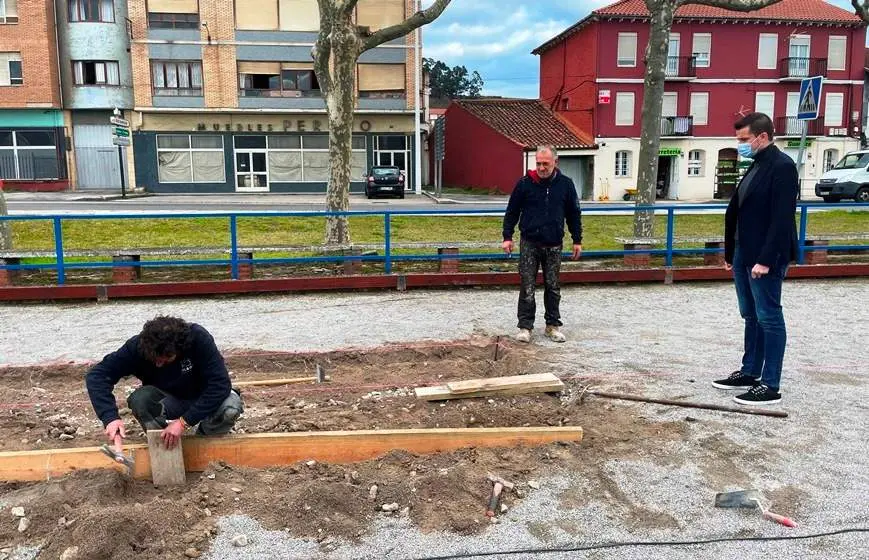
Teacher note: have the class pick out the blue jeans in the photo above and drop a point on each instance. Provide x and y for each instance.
(765, 333)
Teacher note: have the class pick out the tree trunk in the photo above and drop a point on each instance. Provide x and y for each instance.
(340, 102)
(650, 138)
(5, 226)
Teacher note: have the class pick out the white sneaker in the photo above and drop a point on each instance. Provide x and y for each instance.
(554, 334)
(524, 335)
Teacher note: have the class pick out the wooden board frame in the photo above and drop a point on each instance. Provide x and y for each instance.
(280, 449)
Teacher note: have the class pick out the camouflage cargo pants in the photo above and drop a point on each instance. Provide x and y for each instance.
(531, 258)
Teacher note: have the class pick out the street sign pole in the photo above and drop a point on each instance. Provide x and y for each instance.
(800, 160)
(120, 132)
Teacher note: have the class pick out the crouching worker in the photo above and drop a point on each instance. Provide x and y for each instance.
(184, 383)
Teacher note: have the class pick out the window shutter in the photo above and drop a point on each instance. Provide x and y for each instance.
(257, 15)
(378, 14)
(299, 15)
(833, 109)
(764, 102)
(836, 54)
(627, 51)
(767, 51)
(173, 6)
(700, 108)
(624, 109)
(381, 77)
(267, 68)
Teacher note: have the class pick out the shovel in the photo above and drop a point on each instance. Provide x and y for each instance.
(749, 499)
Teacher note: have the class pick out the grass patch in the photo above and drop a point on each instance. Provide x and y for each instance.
(600, 231)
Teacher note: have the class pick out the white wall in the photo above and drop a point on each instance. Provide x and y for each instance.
(702, 188)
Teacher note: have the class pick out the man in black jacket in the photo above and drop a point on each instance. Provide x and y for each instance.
(760, 242)
(184, 382)
(541, 202)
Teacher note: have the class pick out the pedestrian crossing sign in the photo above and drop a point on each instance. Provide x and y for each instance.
(810, 98)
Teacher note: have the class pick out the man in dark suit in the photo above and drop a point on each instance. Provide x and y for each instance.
(760, 242)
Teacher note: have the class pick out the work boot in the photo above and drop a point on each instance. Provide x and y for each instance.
(555, 335)
(524, 335)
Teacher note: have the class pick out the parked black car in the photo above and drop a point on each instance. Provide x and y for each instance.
(383, 179)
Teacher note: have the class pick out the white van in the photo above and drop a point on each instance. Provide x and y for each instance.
(847, 179)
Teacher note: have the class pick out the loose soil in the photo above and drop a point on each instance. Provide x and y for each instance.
(108, 516)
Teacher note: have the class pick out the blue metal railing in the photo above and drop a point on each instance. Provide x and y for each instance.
(389, 258)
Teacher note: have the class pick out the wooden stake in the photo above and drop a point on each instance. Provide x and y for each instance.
(275, 382)
(284, 449)
(167, 465)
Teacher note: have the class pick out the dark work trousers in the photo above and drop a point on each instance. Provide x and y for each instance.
(154, 408)
(531, 258)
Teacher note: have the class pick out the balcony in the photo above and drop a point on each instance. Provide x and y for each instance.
(250, 92)
(677, 126)
(792, 126)
(799, 68)
(680, 68)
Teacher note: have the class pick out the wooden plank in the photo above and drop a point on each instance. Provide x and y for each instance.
(167, 465)
(275, 382)
(275, 450)
(52, 463)
(442, 393)
(531, 381)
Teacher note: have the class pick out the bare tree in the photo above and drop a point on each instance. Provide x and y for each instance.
(862, 9)
(661, 21)
(5, 226)
(339, 44)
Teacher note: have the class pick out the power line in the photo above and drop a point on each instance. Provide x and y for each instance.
(623, 544)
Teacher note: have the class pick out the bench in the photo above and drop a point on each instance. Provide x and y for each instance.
(815, 256)
(127, 268)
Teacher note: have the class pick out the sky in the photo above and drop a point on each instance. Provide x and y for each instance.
(496, 37)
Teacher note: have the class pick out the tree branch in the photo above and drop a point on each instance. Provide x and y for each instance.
(735, 5)
(862, 9)
(418, 19)
(322, 50)
(348, 6)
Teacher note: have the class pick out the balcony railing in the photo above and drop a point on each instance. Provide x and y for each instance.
(799, 68)
(279, 93)
(677, 126)
(681, 67)
(792, 126)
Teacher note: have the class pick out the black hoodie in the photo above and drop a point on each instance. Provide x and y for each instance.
(541, 206)
(198, 374)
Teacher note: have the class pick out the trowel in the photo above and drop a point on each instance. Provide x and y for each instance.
(750, 499)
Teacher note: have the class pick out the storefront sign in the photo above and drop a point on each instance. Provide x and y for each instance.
(604, 97)
(796, 143)
(288, 125)
(664, 152)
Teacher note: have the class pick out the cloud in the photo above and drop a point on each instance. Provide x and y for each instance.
(496, 37)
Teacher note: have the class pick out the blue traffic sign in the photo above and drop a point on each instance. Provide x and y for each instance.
(810, 98)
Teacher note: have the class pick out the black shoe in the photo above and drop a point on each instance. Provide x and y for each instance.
(737, 380)
(758, 395)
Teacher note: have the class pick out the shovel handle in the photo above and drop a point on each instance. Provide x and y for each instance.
(786, 521)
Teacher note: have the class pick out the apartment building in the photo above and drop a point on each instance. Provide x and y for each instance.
(33, 127)
(721, 65)
(226, 99)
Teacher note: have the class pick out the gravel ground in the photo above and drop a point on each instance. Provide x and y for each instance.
(814, 461)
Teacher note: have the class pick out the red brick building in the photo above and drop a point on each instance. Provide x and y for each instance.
(32, 134)
(490, 143)
(721, 64)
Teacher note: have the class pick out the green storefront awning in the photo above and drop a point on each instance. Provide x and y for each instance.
(31, 118)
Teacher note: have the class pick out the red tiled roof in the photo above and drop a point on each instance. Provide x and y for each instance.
(786, 10)
(815, 11)
(527, 122)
